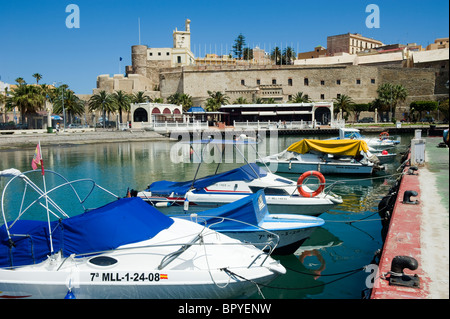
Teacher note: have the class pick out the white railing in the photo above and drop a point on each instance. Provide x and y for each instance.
(292, 125)
(275, 125)
(178, 126)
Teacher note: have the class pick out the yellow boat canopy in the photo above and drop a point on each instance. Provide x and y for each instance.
(337, 147)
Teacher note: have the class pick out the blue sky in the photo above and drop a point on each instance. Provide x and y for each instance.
(35, 37)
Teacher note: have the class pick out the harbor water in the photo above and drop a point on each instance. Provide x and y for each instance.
(329, 264)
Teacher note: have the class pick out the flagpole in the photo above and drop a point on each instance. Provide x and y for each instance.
(46, 200)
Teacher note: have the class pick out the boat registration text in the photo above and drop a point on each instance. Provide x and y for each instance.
(115, 276)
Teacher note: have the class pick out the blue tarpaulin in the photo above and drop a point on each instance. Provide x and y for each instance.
(243, 173)
(250, 209)
(125, 221)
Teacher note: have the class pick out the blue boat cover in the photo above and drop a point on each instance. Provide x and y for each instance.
(243, 173)
(125, 221)
(251, 210)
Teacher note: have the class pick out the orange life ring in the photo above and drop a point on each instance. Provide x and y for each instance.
(318, 190)
(384, 135)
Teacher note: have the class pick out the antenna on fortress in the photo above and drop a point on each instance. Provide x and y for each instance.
(139, 30)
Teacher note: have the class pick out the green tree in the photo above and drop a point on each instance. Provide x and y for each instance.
(38, 77)
(73, 105)
(240, 100)
(185, 100)
(27, 98)
(275, 56)
(423, 106)
(123, 102)
(389, 95)
(104, 102)
(300, 98)
(358, 108)
(238, 47)
(288, 56)
(20, 81)
(215, 100)
(443, 109)
(140, 97)
(248, 54)
(344, 103)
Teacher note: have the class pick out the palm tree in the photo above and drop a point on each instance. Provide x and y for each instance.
(240, 100)
(215, 100)
(389, 95)
(300, 98)
(140, 97)
(104, 102)
(20, 81)
(276, 55)
(288, 55)
(123, 102)
(38, 77)
(343, 103)
(185, 100)
(72, 104)
(27, 98)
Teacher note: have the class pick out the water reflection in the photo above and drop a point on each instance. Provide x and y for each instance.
(337, 246)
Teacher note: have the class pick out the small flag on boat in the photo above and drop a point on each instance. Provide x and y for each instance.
(37, 158)
(163, 276)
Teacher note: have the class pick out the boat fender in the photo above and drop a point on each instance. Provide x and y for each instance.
(70, 295)
(163, 204)
(304, 176)
(384, 135)
(186, 204)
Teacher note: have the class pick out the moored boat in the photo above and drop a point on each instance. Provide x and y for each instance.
(325, 156)
(124, 249)
(248, 220)
(211, 191)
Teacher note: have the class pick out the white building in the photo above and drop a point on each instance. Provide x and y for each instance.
(145, 115)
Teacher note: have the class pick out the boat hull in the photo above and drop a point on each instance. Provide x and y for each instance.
(324, 168)
(197, 272)
(314, 206)
(285, 226)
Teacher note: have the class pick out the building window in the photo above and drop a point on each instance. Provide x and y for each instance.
(338, 95)
(289, 82)
(338, 82)
(167, 53)
(306, 81)
(274, 81)
(322, 82)
(159, 53)
(258, 81)
(151, 53)
(358, 81)
(242, 82)
(372, 81)
(178, 59)
(322, 96)
(306, 96)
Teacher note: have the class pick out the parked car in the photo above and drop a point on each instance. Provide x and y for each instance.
(366, 120)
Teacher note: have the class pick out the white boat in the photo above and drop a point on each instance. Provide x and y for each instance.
(282, 194)
(325, 156)
(248, 220)
(383, 142)
(125, 249)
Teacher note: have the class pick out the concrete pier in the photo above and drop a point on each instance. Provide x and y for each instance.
(420, 231)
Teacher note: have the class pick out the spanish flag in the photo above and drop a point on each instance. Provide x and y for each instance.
(163, 276)
(37, 159)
